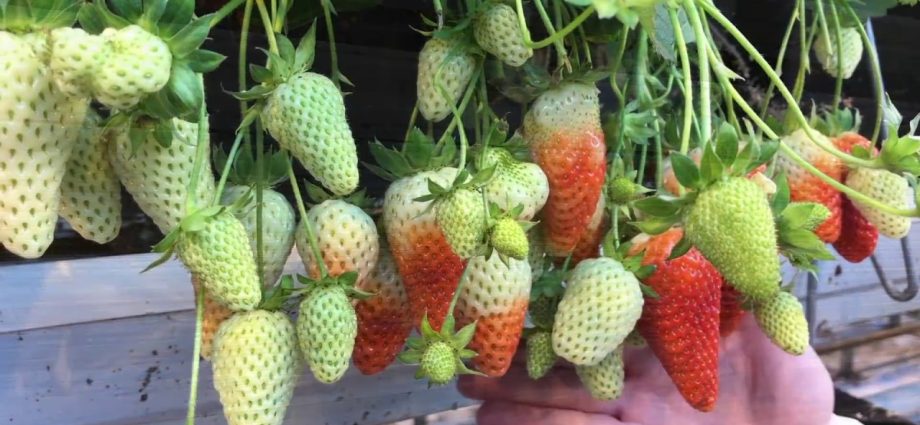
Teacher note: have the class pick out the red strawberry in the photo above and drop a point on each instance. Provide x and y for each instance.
(384, 321)
(730, 313)
(564, 132)
(682, 325)
(858, 237)
(805, 187)
(495, 295)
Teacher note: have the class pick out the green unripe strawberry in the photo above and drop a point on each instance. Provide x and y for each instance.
(157, 177)
(75, 59)
(540, 355)
(439, 363)
(444, 70)
(509, 238)
(219, 254)
(347, 239)
(306, 115)
(515, 183)
(782, 319)
(256, 366)
(732, 225)
(497, 31)
(277, 228)
(90, 192)
(39, 127)
(851, 46)
(601, 305)
(604, 381)
(542, 311)
(136, 63)
(621, 191)
(326, 331)
(462, 218)
(887, 188)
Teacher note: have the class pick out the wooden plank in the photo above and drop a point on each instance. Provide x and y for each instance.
(135, 370)
(38, 295)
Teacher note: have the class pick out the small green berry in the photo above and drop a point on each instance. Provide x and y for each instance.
(509, 238)
(439, 363)
(621, 190)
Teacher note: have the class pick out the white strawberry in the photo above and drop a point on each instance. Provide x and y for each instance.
(347, 239)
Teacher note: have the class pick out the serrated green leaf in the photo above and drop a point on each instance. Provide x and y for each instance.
(685, 170)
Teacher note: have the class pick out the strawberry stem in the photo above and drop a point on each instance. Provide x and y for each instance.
(876, 72)
(704, 74)
(308, 227)
(225, 173)
(241, 67)
(267, 24)
(781, 57)
(260, 177)
(453, 300)
(561, 54)
(585, 14)
(688, 81)
(200, 158)
(196, 358)
(838, 45)
(851, 160)
(225, 11)
(333, 54)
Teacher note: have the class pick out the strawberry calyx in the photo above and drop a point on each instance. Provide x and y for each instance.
(440, 355)
(345, 280)
(23, 16)
(245, 172)
(508, 234)
(721, 161)
(175, 23)
(796, 223)
(418, 153)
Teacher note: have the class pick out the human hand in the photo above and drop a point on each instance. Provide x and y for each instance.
(759, 385)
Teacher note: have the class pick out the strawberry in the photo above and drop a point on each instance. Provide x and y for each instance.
(218, 253)
(384, 320)
(462, 217)
(681, 325)
(306, 115)
(732, 225)
(887, 188)
(605, 380)
(600, 307)
(494, 295)
(327, 327)
(135, 63)
(214, 314)
(510, 239)
(731, 311)
(445, 68)
(256, 365)
(515, 183)
(75, 60)
(589, 245)
(438, 363)
(782, 319)
(347, 239)
(277, 228)
(851, 52)
(39, 128)
(858, 237)
(440, 354)
(90, 192)
(497, 31)
(540, 355)
(564, 133)
(672, 186)
(157, 176)
(805, 187)
(428, 266)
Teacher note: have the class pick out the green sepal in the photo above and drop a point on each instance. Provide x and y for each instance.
(96, 17)
(190, 38)
(153, 10)
(163, 132)
(305, 52)
(683, 246)
(782, 196)
(727, 143)
(129, 9)
(204, 61)
(660, 206)
(177, 14)
(411, 357)
(275, 297)
(686, 171)
(166, 246)
(711, 166)
(260, 74)
(647, 290)
(656, 225)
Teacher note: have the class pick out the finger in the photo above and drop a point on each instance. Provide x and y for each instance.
(503, 413)
(560, 388)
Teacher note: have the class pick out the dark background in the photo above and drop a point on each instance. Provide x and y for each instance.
(378, 50)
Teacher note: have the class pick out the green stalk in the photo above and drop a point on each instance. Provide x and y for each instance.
(453, 300)
(196, 358)
(412, 118)
(200, 157)
(800, 117)
(585, 14)
(850, 192)
(267, 24)
(308, 227)
(642, 92)
(838, 45)
(702, 48)
(688, 81)
(333, 55)
(618, 60)
(225, 173)
(781, 57)
(225, 11)
(439, 10)
(807, 40)
(561, 54)
(876, 73)
(243, 61)
(260, 221)
(457, 119)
